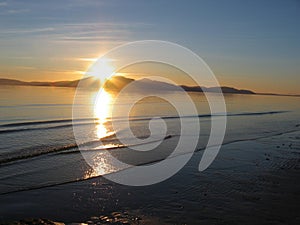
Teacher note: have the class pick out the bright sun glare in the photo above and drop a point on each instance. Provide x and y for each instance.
(102, 111)
(101, 69)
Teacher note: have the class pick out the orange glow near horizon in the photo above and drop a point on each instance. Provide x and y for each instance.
(105, 67)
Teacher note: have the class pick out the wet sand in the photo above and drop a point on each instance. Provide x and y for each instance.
(250, 182)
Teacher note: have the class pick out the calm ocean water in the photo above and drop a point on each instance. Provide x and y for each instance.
(38, 148)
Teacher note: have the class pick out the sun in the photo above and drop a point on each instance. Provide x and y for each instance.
(102, 69)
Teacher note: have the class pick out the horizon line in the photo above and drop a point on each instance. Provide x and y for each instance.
(77, 80)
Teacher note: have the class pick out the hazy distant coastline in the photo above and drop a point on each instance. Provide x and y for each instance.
(123, 81)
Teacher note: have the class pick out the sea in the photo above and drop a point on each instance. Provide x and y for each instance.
(39, 149)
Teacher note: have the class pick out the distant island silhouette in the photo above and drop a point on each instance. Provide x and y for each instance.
(116, 83)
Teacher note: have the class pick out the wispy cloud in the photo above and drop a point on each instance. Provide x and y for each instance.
(14, 12)
(19, 57)
(92, 39)
(86, 59)
(17, 11)
(99, 32)
(77, 32)
(26, 31)
(25, 67)
(86, 3)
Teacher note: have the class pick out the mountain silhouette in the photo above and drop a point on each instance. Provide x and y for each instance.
(117, 83)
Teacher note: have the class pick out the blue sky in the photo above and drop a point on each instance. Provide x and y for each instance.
(248, 44)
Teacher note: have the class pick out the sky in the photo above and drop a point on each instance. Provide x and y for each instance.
(247, 44)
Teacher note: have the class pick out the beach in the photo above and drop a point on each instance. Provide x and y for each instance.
(259, 186)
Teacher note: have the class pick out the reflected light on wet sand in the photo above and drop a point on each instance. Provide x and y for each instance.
(101, 165)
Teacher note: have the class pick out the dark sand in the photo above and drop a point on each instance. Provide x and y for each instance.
(250, 182)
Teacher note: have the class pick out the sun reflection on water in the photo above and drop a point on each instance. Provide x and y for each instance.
(102, 111)
(100, 158)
